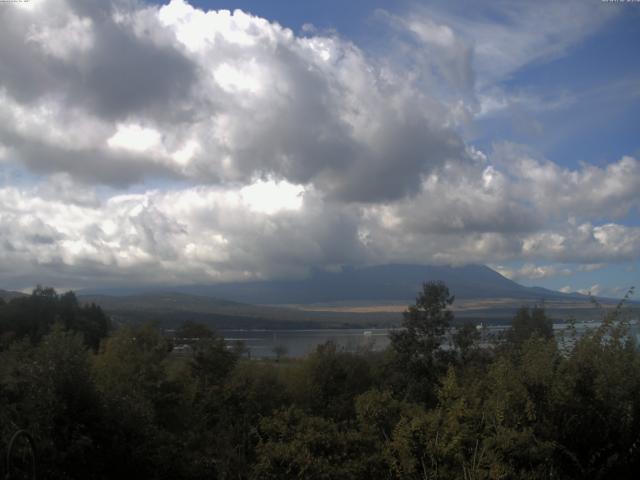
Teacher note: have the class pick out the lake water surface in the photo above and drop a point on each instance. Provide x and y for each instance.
(298, 343)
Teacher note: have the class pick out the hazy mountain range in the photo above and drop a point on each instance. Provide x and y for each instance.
(378, 284)
(368, 296)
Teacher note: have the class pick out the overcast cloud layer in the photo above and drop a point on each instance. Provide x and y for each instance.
(165, 144)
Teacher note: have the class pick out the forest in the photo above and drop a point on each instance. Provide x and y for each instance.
(102, 402)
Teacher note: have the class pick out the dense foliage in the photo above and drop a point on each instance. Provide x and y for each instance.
(121, 404)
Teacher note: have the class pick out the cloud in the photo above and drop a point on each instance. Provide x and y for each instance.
(168, 144)
(441, 57)
(585, 243)
(64, 230)
(72, 36)
(484, 46)
(182, 236)
(509, 206)
(509, 35)
(587, 192)
(536, 272)
(268, 229)
(216, 97)
(591, 267)
(77, 55)
(593, 290)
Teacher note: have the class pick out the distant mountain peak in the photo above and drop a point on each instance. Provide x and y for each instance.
(388, 282)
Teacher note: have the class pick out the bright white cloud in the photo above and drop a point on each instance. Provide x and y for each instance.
(233, 80)
(593, 290)
(200, 233)
(134, 137)
(271, 197)
(531, 271)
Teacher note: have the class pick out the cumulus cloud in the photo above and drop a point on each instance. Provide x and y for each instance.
(168, 144)
(194, 234)
(508, 206)
(587, 192)
(215, 96)
(595, 289)
(271, 229)
(531, 271)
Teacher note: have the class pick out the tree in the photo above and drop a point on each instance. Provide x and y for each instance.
(194, 330)
(48, 390)
(251, 392)
(279, 351)
(131, 376)
(328, 380)
(294, 445)
(528, 322)
(416, 347)
(212, 361)
(465, 341)
(598, 409)
(442, 442)
(379, 412)
(34, 316)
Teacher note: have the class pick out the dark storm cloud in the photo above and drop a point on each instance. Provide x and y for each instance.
(119, 74)
(126, 75)
(91, 165)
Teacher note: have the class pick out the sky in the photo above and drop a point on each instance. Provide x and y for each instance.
(170, 143)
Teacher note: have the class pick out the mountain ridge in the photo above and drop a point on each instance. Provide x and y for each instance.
(381, 283)
(7, 295)
(350, 297)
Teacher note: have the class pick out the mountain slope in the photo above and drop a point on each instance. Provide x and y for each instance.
(369, 296)
(170, 309)
(8, 295)
(379, 284)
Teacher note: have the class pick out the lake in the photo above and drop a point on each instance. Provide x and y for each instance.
(298, 343)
